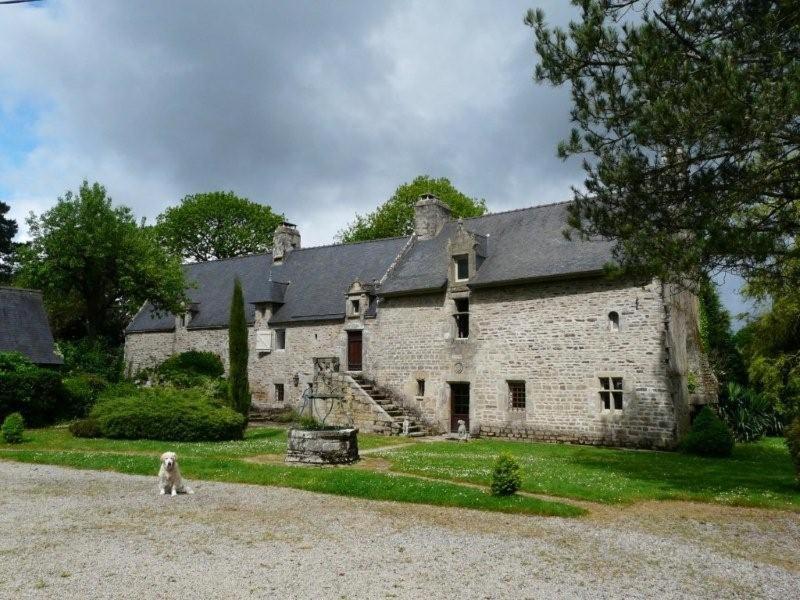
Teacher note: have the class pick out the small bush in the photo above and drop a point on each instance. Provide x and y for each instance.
(83, 390)
(13, 428)
(506, 479)
(747, 413)
(193, 362)
(166, 414)
(34, 392)
(793, 442)
(709, 436)
(85, 428)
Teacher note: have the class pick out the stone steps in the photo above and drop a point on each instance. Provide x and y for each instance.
(395, 410)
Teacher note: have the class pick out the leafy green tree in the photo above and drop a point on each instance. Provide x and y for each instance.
(238, 386)
(395, 217)
(718, 339)
(96, 266)
(8, 229)
(686, 112)
(216, 225)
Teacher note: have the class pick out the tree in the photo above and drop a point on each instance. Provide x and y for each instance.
(718, 339)
(216, 225)
(95, 266)
(8, 229)
(238, 386)
(395, 217)
(686, 111)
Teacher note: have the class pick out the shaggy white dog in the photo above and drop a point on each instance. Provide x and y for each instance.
(169, 476)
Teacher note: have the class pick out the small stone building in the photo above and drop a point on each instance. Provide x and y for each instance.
(498, 321)
(24, 327)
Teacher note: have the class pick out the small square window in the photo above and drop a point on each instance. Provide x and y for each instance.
(280, 339)
(462, 268)
(420, 388)
(516, 394)
(611, 393)
(278, 392)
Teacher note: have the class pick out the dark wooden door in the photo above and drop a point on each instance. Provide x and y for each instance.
(354, 350)
(459, 405)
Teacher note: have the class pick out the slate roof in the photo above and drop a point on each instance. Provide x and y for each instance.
(520, 245)
(311, 284)
(24, 327)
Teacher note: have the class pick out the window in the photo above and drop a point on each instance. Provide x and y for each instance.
(420, 388)
(611, 392)
(355, 306)
(280, 339)
(516, 394)
(278, 392)
(182, 320)
(462, 318)
(613, 320)
(462, 268)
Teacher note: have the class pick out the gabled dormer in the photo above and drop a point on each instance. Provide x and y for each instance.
(360, 299)
(466, 251)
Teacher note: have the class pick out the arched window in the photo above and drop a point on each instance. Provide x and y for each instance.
(613, 320)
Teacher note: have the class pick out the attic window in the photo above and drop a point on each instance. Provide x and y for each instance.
(613, 320)
(462, 267)
(355, 306)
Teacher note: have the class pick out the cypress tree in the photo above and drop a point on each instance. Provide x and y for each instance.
(238, 387)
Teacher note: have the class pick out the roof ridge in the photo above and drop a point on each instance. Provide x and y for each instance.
(511, 210)
(218, 260)
(20, 289)
(386, 239)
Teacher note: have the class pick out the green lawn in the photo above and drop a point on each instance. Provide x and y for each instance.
(224, 462)
(757, 475)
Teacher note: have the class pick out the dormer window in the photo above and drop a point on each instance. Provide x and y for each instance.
(355, 306)
(461, 267)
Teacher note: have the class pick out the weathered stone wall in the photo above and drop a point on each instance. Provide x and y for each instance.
(557, 338)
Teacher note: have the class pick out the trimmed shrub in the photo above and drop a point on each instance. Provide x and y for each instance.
(506, 479)
(185, 370)
(85, 428)
(13, 428)
(709, 436)
(83, 390)
(168, 414)
(98, 356)
(793, 442)
(34, 392)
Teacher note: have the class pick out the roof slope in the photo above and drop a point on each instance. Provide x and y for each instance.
(521, 245)
(311, 284)
(24, 327)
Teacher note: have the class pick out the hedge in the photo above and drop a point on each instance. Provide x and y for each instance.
(34, 392)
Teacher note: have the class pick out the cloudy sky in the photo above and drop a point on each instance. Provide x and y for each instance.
(319, 109)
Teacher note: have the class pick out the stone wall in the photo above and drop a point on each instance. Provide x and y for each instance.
(557, 338)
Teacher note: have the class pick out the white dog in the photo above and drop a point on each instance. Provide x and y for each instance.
(169, 476)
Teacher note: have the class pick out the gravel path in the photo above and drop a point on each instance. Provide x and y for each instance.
(75, 534)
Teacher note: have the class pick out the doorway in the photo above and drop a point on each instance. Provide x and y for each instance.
(354, 350)
(459, 405)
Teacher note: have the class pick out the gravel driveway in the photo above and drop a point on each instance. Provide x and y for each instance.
(77, 534)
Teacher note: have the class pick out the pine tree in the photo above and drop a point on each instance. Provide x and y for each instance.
(238, 387)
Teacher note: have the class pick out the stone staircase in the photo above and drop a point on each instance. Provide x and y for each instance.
(394, 408)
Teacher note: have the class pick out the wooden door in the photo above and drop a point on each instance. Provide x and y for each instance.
(354, 350)
(459, 405)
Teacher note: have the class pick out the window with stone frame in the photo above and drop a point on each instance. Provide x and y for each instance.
(461, 317)
(280, 339)
(420, 388)
(461, 267)
(279, 392)
(611, 394)
(355, 307)
(516, 395)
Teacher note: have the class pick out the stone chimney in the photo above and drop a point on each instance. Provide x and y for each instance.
(430, 215)
(285, 239)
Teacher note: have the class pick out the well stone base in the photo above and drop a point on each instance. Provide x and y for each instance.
(331, 447)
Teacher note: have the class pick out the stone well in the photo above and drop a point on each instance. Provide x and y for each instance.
(323, 447)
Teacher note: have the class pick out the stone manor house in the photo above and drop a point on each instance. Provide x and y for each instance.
(499, 321)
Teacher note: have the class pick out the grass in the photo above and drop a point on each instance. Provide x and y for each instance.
(224, 462)
(759, 474)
